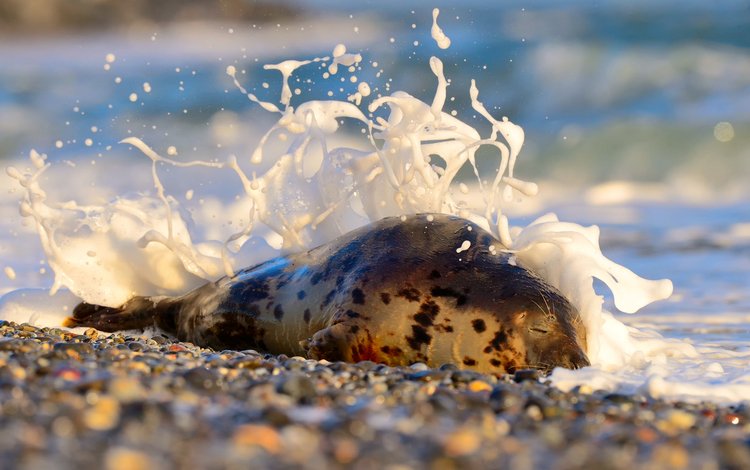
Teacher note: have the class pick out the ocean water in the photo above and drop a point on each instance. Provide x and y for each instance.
(630, 125)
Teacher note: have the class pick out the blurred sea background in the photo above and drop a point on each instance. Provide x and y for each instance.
(636, 113)
(651, 92)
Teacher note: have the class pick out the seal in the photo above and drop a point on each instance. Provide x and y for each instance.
(426, 288)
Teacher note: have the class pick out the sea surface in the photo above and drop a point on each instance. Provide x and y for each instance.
(636, 119)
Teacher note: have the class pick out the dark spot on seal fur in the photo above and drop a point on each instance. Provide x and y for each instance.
(328, 299)
(358, 297)
(423, 319)
(420, 337)
(342, 261)
(438, 291)
(499, 340)
(316, 278)
(487, 349)
(283, 281)
(237, 331)
(469, 361)
(434, 275)
(479, 325)
(427, 313)
(391, 350)
(352, 314)
(409, 293)
(278, 312)
(364, 351)
(301, 294)
(250, 290)
(354, 329)
(385, 297)
(253, 311)
(306, 315)
(444, 328)
(495, 362)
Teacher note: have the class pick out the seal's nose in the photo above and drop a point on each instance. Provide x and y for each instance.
(575, 360)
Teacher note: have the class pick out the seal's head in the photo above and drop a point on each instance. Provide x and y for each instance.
(552, 331)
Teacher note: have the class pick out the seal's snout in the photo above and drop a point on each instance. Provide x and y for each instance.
(576, 360)
(562, 354)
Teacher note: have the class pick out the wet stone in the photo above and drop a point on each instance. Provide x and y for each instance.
(262, 436)
(73, 350)
(103, 415)
(465, 376)
(122, 458)
(276, 416)
(160, 340)
(524, 375)
(298, 386)
(136, 346)
(127, 389)
(10, 344)
(428, 375)
(506, 398)
(202, 378)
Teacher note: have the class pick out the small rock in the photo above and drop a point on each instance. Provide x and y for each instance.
(463, 441)
(103, 415)
(202, 378)
(74, 351)
(276, 416)
(675, 422)
(259, 435)
(522, 375)
(298, 386)
(345, 450)
(126, 389)
(121, 458)
(479, 386)
(670, 456)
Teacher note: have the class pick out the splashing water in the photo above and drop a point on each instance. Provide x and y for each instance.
(327, 181)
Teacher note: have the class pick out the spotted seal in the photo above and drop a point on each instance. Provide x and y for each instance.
(424, 288)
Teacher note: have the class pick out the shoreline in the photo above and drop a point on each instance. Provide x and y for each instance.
(71, 400)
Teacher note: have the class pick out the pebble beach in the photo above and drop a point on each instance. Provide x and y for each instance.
(129, 402)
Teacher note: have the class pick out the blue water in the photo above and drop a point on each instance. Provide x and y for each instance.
(604, 91)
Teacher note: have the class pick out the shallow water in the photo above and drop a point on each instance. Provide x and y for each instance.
(658, 130)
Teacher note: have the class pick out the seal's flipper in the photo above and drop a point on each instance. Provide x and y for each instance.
(328, 343)
(348, 341)
(136, 313)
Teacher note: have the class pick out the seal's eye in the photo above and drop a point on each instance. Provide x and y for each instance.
(538, 330)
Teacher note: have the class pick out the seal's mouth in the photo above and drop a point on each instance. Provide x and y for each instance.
(569, 357)
(577, 361)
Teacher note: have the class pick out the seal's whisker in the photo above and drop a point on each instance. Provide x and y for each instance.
(546, 304)
(538, 305)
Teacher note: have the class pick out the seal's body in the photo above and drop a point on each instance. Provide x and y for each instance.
(425, 288)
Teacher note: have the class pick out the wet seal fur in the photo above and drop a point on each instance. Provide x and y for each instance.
(398, 291)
